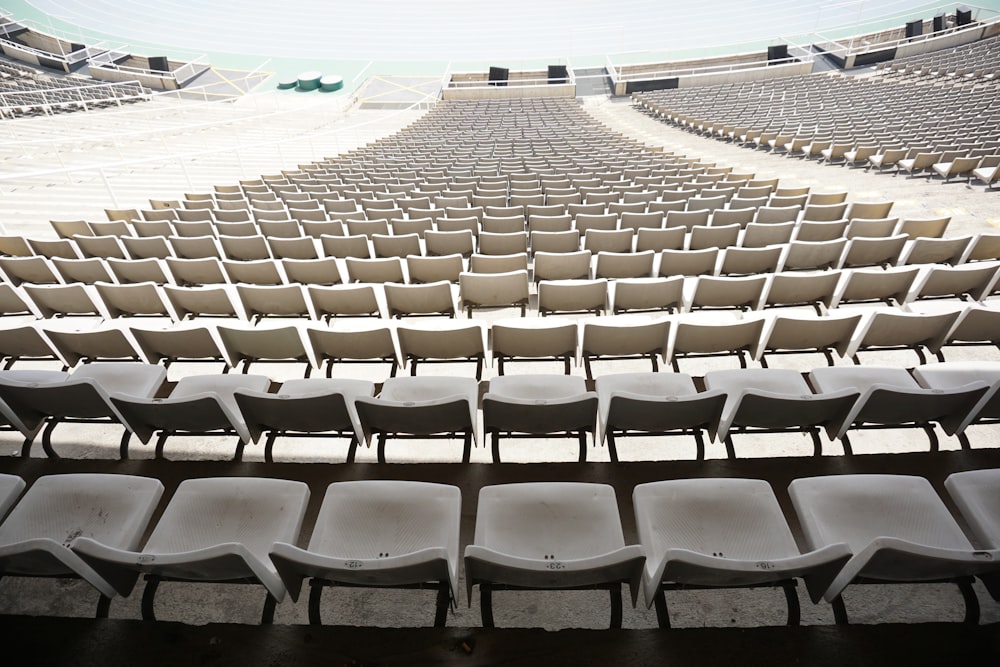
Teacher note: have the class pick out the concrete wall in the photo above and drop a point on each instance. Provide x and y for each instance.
(929, 44)
(756, 74)
(734, 76)
(151, 79)
(528, 83)
(31, 57)
(37, 48)
(509, 92)
(17, 53)
(681, 67)
(470, 78)
(157, 82)
(44, 42)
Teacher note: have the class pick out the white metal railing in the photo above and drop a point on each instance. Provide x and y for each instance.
(609, 65)
(55, 97)
(619, 73)
(126, 69)
(446, 77)
(853, 47)
(71, 57)
(190, 69)
(178, 75)
(510, 83)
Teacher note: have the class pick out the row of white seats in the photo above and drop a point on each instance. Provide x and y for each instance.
(951, 395)
(810, 245)
(692, 533)
(910, 240)
(496, 219)
(655, 253)
(690, 193)
(363, 192)
(667, 339)
(563, 285)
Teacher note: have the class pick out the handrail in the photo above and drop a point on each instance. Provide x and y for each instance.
(259, 67)
(88, 86)
(184, 72)
(70, 89)
(127, 69)
(761, 61)
(612, 70)
(512, 83)
(850, 49)
(49, 54)
(188, 70)
(645, 75)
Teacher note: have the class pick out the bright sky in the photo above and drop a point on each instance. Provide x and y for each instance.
(466, 29)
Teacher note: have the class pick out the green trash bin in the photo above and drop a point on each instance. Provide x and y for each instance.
(309, 80)
(331, 82)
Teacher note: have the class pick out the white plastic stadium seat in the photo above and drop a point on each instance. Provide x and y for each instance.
(550, 535)
(379, 533)
(724, 533)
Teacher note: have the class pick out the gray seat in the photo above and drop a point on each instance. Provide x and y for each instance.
(313, 407)
(800, 334)
(647, 294)
(724, 533)
(550, 535)
(29, 343)
(421, 408)
(897, 529)
(494, 290)
(572, 296)
(624, 337)
(976, 493)
(539, 405)
(216, 529)
(704, 334)
(435, 298)
(379, 533)
(182, 342)
(442, 341)
(655, 404)
(892, 398)
(11, 487)
(35, 539)
(950, 374)
(104, 343)
(86, 396)
(893, 329)
(368, 342)
(250, 345)
(772, 400)
(198, 405)
(534, 339)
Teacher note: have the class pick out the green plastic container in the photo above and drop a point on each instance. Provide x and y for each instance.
(331, 82)
(309, 80)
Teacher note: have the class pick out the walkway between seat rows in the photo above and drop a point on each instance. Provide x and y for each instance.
(120, 641)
